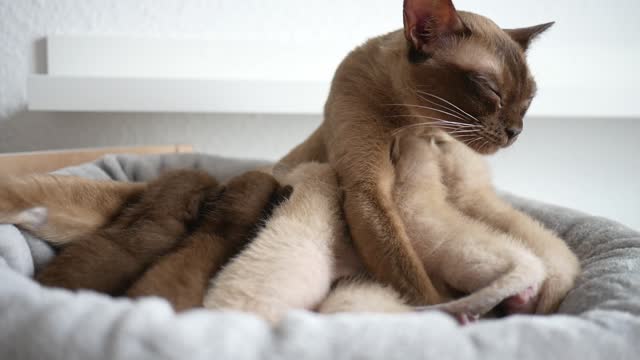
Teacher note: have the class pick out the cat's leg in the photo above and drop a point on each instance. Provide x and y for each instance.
(61, 209)
(561, 263)
(378, 231)
(111, 259)
(226, 224)
(358, 149)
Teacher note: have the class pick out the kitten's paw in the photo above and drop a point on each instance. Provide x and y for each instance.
(463, 318)
(524, 302)
(466, 319)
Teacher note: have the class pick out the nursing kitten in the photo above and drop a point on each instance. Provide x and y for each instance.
(294, 259)
(112, 257)
(447, 69)
(464, 254)
(228, 221)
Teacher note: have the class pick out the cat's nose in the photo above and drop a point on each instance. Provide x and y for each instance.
(513, 132)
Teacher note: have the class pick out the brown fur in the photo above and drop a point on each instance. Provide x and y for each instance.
(389, 83)
(109, 260)
(62, 208)
(228, 219)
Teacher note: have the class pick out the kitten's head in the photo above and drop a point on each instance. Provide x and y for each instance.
(466, 74)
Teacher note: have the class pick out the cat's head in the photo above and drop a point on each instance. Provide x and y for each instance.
(466, 74)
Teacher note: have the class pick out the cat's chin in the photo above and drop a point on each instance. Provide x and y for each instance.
(488, 151)
(485, 149)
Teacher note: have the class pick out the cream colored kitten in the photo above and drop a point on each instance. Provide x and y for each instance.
(442, 187)
(471, 191)
(462, 254)
(297, 256)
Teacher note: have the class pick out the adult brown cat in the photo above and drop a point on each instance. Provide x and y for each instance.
(454, 70)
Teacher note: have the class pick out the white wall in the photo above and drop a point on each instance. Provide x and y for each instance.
(587, 60)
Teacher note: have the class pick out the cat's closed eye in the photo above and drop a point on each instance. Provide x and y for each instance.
(487, 88)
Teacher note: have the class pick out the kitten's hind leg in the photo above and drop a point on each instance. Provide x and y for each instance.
(61, 209)
(524, 302)
(491, 271)
(362, 294)
(562, 265)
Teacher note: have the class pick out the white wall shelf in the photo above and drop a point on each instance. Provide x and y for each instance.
(95, 94)
(125, 74)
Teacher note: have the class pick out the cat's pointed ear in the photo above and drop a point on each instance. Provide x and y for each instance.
(525, 36)
(426, 21)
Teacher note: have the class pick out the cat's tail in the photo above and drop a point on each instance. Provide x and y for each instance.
(524, 277)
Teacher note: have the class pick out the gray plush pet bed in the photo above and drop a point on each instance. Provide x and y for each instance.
(600, 318)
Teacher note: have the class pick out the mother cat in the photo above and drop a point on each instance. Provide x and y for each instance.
(443, 62)
(405, 78)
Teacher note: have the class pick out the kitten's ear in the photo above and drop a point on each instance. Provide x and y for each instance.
(525, 36)
(426, 21)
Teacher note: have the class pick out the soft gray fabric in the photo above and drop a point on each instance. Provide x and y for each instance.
(600, 317)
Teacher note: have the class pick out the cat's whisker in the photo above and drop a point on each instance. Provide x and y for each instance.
(477, 138)
(437, 124)
(442, 125)
(429, 108)
(450, 103)
(464, 138)
(440, 120)
(413, 126)
(442, 106)
(484, 145)
(464, 131)
(474, 141)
